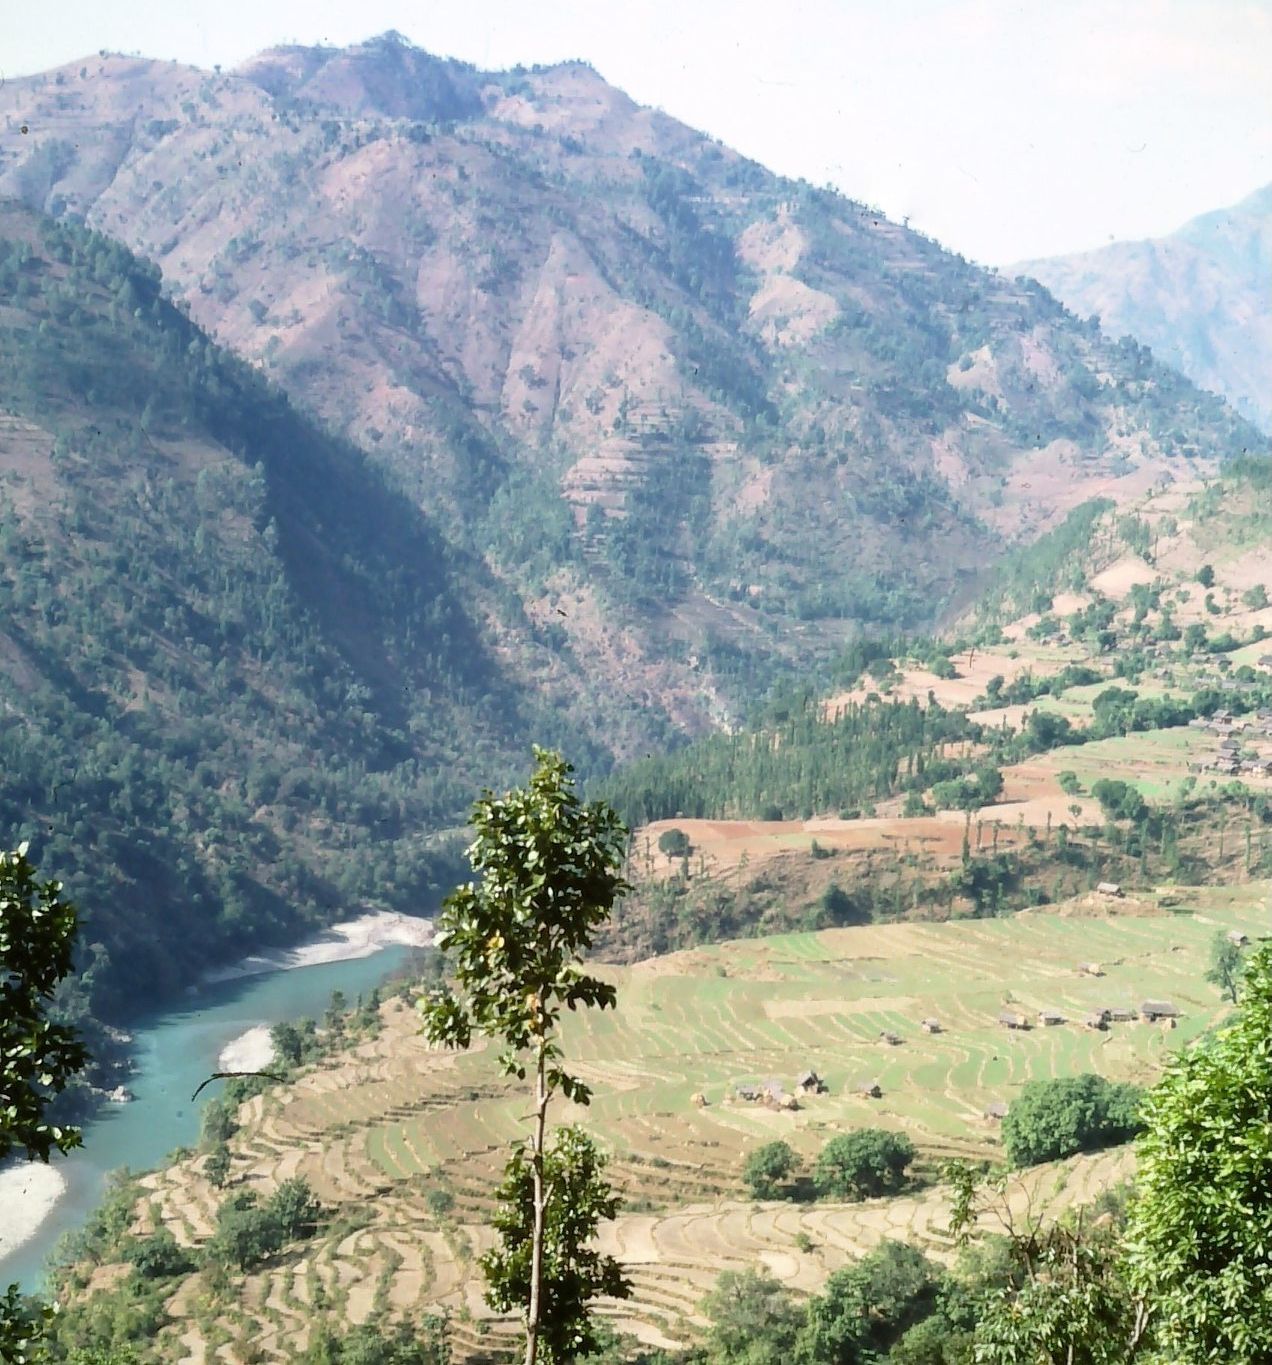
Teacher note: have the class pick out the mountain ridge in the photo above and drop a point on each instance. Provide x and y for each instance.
(1198, 296)
(700, 423)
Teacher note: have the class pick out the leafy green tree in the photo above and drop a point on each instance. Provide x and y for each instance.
(767, 1167)
(866, 1308)
(1206, 576)
(297, 1210)
(1227, 963)
(576, 1199)
(378, 1345)
(1119, 800)
(1200, 1231)
(674, 843)
(217, 1166)
(550, 869)
(159, 1256)
(754, 1320)
(863, 1164)
(37, 1056)
(1054, 1119)
(246, 1233)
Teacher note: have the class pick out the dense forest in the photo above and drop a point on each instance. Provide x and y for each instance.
(240, 689)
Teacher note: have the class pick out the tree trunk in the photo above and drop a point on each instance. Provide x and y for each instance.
(534, 1310)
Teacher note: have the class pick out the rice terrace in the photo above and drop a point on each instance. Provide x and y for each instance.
(405, 1144)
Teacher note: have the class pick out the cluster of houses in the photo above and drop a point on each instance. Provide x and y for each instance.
(1149, 1011)
(772, 1094)
(1235, 733)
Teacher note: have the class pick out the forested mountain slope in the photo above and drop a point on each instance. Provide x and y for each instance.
(238, 687)
(699, 421)
(1200, 298)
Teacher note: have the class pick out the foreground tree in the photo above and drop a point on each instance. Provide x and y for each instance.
(550, 871)
(37, 1056)
(768, 1167)
(573, 1272)
(1200, 1233)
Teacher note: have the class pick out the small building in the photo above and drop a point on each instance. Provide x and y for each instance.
(930, 1025)
(1013, 1019)
(995, 1110)
(1237, 937)
(1097, 1019)
(892, 1039)
(870, 1090)
(1090, 969)
(1113, 889)
(810, 1083)
(698, 1100)
(749, 1093)
(1050, 1018)
(1153, 1010)
(1119, 1014)
(775, 1094)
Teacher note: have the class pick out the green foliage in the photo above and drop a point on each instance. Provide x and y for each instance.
(550, 873)
(674, 843)
(1206, 576)
(404, 1344)
(866, 1308)
(37, 1056)
(159, 1256)
(1200, 1232)
(754, 1320)
(1119, 800)
(863, 1164)
(246, 1233)
(576, 1199)
(768, 1167)
(1054, 1119)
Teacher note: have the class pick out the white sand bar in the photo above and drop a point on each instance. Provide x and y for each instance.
(28, 1192)
(341, 943)
(250, 1051)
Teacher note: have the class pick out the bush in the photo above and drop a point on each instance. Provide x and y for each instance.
(864, 1164)
(767, 1167)
(1055, 1119)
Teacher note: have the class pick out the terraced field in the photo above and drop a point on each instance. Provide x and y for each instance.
(405, 1144)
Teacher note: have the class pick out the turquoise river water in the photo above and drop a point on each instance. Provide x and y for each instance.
(176, 1050)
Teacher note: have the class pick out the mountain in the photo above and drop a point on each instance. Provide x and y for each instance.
(1199, 298)
(241, 688)
(698, 424)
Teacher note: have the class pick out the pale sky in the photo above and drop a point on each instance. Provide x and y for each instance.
(1005, 130)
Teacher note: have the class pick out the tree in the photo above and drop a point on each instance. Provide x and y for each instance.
(866, 1308)
(296, 1209)
(1200, 1231)
(1227, 964)
(217, 1166)
(159, 1256)
(1054, 1119)
(767, 1167)
(1206, 576)
(863, 1164)
(245, 1233)
(550, 869)
(37, 1056)
(573, 1272)
(674, 843)
(754, 1320)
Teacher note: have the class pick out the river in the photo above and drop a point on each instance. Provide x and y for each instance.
(175, 1050)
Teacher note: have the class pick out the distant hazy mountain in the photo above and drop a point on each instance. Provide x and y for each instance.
(697, 422)
(1201, 298)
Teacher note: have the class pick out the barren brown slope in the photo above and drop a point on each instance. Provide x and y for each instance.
(701, 421)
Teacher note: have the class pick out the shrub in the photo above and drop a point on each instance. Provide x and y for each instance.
(864, 1164)
(767, 1167)
(1055, 1119)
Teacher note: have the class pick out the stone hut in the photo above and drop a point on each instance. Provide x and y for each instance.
(1097, 1019)
(1109, 889)
(1013, 1019)
(930, 1025)
(810, 1083)
(870, 1090)
(892, 1039)
(1050, 1018)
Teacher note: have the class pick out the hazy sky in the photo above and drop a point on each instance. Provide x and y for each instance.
(1003, 129)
